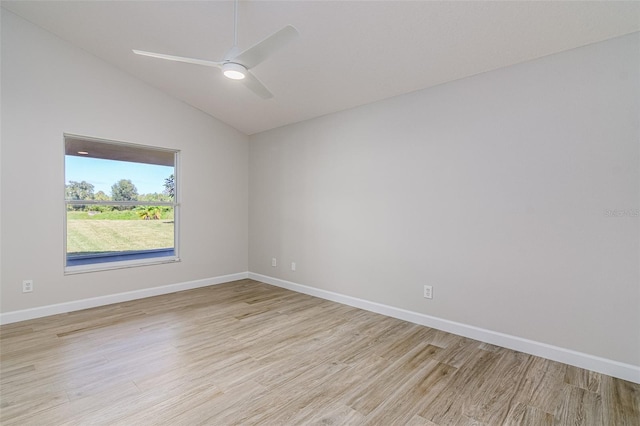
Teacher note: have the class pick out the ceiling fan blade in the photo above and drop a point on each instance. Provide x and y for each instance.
(256, 86)
(261, 51)
(179, 58)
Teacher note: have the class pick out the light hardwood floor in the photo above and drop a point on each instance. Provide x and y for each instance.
(249, 353)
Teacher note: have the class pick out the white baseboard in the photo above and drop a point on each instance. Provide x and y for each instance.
(567, 356)
(77, 305)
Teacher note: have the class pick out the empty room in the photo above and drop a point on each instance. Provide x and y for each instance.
(320, 212)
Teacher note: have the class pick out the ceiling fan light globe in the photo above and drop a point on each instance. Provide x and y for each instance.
(234, 71)
(234, 75)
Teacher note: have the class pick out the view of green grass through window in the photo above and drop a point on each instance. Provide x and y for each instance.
(120, 202)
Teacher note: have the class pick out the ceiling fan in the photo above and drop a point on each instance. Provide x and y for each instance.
(236, 65)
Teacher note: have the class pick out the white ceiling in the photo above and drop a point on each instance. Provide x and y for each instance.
(349, 53)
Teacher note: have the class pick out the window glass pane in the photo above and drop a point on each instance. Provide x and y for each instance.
(131, 208)
(106, 233)
(111, 180)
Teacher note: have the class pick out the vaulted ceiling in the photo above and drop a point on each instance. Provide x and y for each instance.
(349, 53)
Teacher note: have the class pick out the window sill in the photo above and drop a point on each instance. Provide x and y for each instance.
(106, 261)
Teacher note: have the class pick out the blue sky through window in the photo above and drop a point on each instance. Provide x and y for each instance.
(102, 174)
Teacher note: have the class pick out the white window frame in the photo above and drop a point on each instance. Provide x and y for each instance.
(175, 204)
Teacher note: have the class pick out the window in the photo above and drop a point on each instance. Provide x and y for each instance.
(121, 205)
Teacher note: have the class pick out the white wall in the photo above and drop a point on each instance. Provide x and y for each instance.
(493, 189)
(50, 87)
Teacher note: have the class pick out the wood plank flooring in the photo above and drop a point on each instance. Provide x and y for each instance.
(248, 353)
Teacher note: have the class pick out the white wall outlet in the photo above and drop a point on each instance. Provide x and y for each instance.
(428, 292)
(293, 266)
(274, 262)
(27, 286)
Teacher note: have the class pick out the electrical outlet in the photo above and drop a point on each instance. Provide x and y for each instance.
(274, 262)
(27, 286)
(293, 266)
(428, 292)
